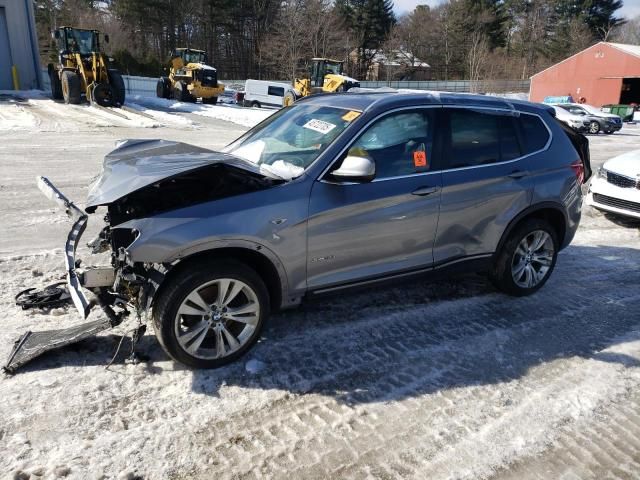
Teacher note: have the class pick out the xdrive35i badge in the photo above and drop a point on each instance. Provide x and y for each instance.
(323, 259)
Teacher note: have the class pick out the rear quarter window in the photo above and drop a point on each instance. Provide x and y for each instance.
(276, 91)
(534, 132)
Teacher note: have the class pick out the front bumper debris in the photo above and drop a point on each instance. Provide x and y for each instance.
(33, 344)
(73, 238)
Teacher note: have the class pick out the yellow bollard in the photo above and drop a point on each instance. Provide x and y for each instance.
(16, 81)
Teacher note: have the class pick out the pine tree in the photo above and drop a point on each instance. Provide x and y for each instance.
(369, 22)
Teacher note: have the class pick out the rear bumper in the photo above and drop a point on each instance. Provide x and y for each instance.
(79, 219)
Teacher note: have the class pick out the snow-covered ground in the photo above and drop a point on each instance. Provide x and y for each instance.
(436, 379)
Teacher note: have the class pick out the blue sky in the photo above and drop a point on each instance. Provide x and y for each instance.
(630, 9)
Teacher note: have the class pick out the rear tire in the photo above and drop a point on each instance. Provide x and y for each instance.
(117, 84)
(202, 333)
(526, 259)
(255, 104)
(56, 84)
(71, 87)
(210, 100)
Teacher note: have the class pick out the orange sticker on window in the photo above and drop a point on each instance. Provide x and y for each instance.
(350, 116)
(420, 158)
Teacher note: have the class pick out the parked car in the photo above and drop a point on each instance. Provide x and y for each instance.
(599, 121)
(333, 192)
(616, 187)
(577, 122)
(263, 93)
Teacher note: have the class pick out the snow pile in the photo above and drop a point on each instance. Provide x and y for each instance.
(14, 114)
(512, 96)
(164, 117)
(247, 117)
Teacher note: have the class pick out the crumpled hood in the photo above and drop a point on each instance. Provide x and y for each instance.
(627, 164)
(135, 164)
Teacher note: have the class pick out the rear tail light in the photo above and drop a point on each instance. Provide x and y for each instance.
(578, 169)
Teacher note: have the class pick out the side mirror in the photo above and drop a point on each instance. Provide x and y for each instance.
(106, 38)
(355, 169)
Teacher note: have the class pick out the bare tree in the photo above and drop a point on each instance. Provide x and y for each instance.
(628, 32)
(476, 57)
(288, 44)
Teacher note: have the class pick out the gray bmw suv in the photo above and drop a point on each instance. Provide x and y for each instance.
(333, 192)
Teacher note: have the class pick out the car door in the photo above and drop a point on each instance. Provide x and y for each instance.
(485, 181)
(362, 230)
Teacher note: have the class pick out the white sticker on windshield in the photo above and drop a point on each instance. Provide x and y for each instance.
(319, 126)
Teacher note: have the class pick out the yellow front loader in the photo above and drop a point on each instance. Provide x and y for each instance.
(83, 70)
(325, 76)
(190, 78)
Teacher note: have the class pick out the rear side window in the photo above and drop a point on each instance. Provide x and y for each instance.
(481, 138)
(276, 91)
(535, 133)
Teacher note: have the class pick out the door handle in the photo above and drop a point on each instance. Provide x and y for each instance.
(518, 174)
(423, 191)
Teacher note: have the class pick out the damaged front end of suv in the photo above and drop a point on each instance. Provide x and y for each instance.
(141, 181)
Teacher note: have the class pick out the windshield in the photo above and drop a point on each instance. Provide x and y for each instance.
(290, 140)
(591, 109)
(562, 113)
(331, 67)
(194, 57)
(83, 42)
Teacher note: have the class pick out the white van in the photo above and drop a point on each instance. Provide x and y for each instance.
(263, 93)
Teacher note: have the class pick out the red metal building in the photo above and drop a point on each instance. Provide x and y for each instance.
(604, 73)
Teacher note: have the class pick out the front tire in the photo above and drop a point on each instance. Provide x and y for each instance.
(594, 127)
(181, 93)
(289, 99)
(56, 84)
(103, 94)
(163, 88)
(71, 87)
(211, 313)
(119, 90)
(527, 258)
(210, 100)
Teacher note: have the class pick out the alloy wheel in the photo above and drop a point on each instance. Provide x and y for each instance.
(532, 259)
(217, 318)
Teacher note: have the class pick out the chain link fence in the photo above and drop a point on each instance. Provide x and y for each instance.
(146, 86)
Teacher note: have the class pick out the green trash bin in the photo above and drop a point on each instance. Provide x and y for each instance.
(625, 112)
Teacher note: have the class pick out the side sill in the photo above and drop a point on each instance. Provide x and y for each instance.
(476, 263)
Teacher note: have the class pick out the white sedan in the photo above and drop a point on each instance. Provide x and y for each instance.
(616, 187)
(574, 121)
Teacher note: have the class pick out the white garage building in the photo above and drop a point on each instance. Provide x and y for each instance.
(18, 45)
